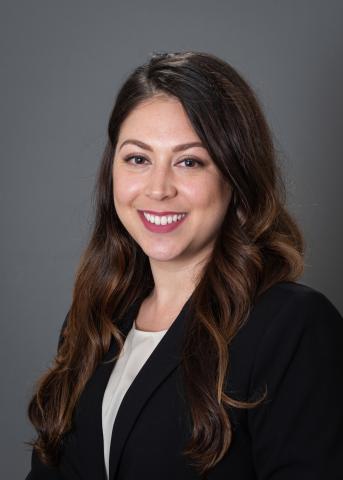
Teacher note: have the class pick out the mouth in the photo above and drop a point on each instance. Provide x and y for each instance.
(162, 222)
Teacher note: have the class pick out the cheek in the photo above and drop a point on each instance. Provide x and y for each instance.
(124, 188)
(209, 194)
(198, 192)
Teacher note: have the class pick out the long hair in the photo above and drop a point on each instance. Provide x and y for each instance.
(258, 244)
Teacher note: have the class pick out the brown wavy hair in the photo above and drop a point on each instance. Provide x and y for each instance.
(258, 245)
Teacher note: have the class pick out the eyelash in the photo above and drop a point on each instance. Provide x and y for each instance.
(126, 159)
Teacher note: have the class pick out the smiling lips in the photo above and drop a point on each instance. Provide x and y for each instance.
(161, 223)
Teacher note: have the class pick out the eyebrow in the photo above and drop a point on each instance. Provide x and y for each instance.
(177, 148)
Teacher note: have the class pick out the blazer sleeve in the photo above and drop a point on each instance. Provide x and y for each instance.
(40, 471)
(297, 432)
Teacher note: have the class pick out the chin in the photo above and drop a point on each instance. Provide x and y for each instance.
(161, 256)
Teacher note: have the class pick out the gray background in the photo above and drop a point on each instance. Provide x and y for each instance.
(63, 62)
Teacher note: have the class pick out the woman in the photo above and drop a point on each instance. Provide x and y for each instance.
(189, 350)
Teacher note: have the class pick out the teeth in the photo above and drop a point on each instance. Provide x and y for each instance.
(164, 219)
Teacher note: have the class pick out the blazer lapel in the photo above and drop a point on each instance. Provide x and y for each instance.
(163, 360)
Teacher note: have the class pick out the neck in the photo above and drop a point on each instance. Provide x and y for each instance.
(174, 282)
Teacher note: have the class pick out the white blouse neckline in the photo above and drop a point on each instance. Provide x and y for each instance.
(146, 332)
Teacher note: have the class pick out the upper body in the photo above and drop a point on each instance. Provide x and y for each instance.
(190, 201)
(292, 342)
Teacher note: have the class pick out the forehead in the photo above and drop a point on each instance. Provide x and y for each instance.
(159, 118)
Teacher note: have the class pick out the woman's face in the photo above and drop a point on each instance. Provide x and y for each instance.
(152, 172)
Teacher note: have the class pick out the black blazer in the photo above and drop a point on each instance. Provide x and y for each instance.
(292, 342)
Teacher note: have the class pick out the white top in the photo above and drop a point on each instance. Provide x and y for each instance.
(137, 347)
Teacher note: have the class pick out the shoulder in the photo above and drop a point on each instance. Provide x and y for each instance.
(292, 306)
(299, 332)
(288, 322)
(291, 294)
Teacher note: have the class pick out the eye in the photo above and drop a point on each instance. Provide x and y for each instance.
(127, 159)
(189, 159)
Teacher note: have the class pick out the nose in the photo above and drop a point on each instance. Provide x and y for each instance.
(160, 183)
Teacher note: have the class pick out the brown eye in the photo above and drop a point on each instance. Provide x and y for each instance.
(192, 160)
(127, 159)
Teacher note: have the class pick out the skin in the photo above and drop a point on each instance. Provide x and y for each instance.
(163, 181)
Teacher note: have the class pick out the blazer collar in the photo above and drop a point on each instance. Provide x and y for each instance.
(163, 360)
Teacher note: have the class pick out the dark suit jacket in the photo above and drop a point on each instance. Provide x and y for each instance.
(292, 342)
